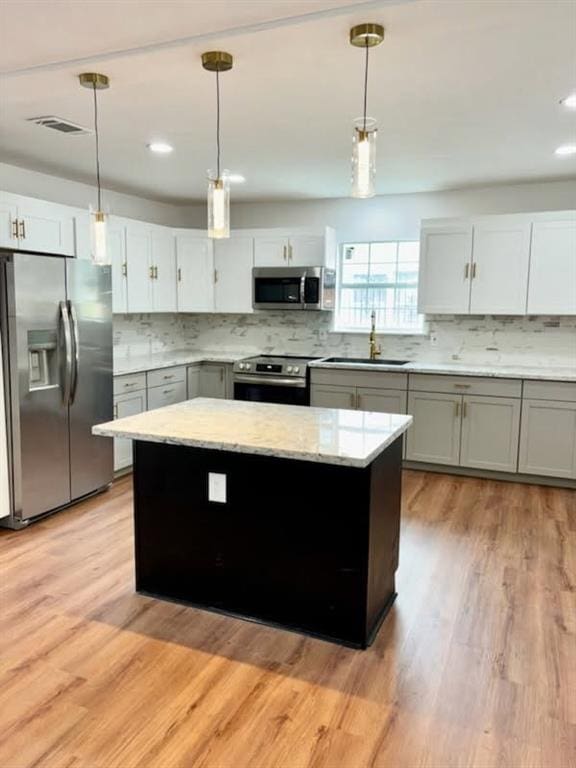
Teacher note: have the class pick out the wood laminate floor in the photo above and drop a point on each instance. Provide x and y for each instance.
(475, 665)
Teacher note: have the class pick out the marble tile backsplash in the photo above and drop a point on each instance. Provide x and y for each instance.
(475, 340)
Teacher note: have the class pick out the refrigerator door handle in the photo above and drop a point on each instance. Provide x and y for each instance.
(76, 355)
(65, 319)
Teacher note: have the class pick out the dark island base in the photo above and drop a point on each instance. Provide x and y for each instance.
(300, 545)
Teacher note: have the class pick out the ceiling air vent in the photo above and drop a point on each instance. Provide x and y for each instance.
(58, 124)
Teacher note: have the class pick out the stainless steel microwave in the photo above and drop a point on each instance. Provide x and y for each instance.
(293, 288)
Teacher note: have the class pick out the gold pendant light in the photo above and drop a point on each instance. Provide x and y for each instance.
(218, 181)
(365, 129)
(97, 82)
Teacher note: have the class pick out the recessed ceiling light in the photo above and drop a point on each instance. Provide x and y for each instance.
(566, 149)
(235, 178)
(160, 147)
(569, 101)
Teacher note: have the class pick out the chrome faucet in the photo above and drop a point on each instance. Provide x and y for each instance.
(375, 349)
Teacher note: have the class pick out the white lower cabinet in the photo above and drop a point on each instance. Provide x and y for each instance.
(126, 405)
(214, 380)
(490, 433)
(434, 436)
(326, 396)
(548, 438)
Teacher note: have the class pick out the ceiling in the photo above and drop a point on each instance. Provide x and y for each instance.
(465, 93)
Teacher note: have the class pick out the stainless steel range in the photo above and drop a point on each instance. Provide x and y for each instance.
(273, 379)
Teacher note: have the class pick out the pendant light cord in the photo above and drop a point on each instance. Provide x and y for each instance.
(97, 149)
(366, 84)
(217, 124)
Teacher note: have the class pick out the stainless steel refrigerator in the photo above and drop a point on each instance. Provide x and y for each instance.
(56, 326)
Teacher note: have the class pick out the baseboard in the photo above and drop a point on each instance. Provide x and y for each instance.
(510, 477)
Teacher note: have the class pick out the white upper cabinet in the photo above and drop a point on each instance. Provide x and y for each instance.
(271, 251)
(195, 272)
(28, 224)
(445, 266)
(164, 289)
(8, 222)
(139, 261)
(308, 251)
(499, 270)
(552, 283)
(514, 264)
(233, 262)
(116, 245)
(305, 248)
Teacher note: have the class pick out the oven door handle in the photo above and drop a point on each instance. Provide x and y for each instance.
(272, 381)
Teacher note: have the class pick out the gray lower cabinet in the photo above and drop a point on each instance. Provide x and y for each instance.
(214, 380)
(126, 405)
(193, 381)
(434, 436)
(325, 396)
(167, 394)
(490, 433)
(381, 400)
(548, 438)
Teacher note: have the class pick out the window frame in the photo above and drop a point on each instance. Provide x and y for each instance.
(338, 327)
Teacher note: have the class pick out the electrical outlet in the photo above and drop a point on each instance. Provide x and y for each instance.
(217, 487)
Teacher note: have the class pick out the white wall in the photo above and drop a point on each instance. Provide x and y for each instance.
(398, 216)
(22, 181)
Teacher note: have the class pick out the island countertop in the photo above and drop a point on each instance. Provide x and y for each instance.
(325, 435)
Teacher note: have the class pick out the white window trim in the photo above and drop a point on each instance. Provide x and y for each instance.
(335, 328)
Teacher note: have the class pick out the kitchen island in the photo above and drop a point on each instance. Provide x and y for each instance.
(280, 514)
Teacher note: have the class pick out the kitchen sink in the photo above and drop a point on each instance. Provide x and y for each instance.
(364, 361)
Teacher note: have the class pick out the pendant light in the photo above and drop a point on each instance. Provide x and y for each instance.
(97, 82)
(218, 181)
(364, 139)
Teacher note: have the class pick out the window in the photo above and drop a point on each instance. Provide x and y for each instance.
(381, 277)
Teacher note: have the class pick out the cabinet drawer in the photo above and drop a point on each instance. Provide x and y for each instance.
(464, 385)
(166, 376)
(336, 377)
(550, 390)
(130, 383)
(168, 394)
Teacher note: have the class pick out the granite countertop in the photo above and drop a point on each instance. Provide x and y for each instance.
(155, 360)
(325, 435)
(462, 369)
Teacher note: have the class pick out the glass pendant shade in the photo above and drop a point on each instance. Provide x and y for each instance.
(364, 158)
(98, 238)
(218, 207)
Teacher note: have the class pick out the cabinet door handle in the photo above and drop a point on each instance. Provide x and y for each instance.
(215, 275)
(284, 256)
(167, 391)
(466, 271)
(22, 229)
(456, 409)
(15, 229)
(151, 273)
(169, 376)
(179, 275)
(462, 386)
(221, 374)
(116, 411)
(290, 252)
(464, 409)
(124, 269)
(473, 270)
